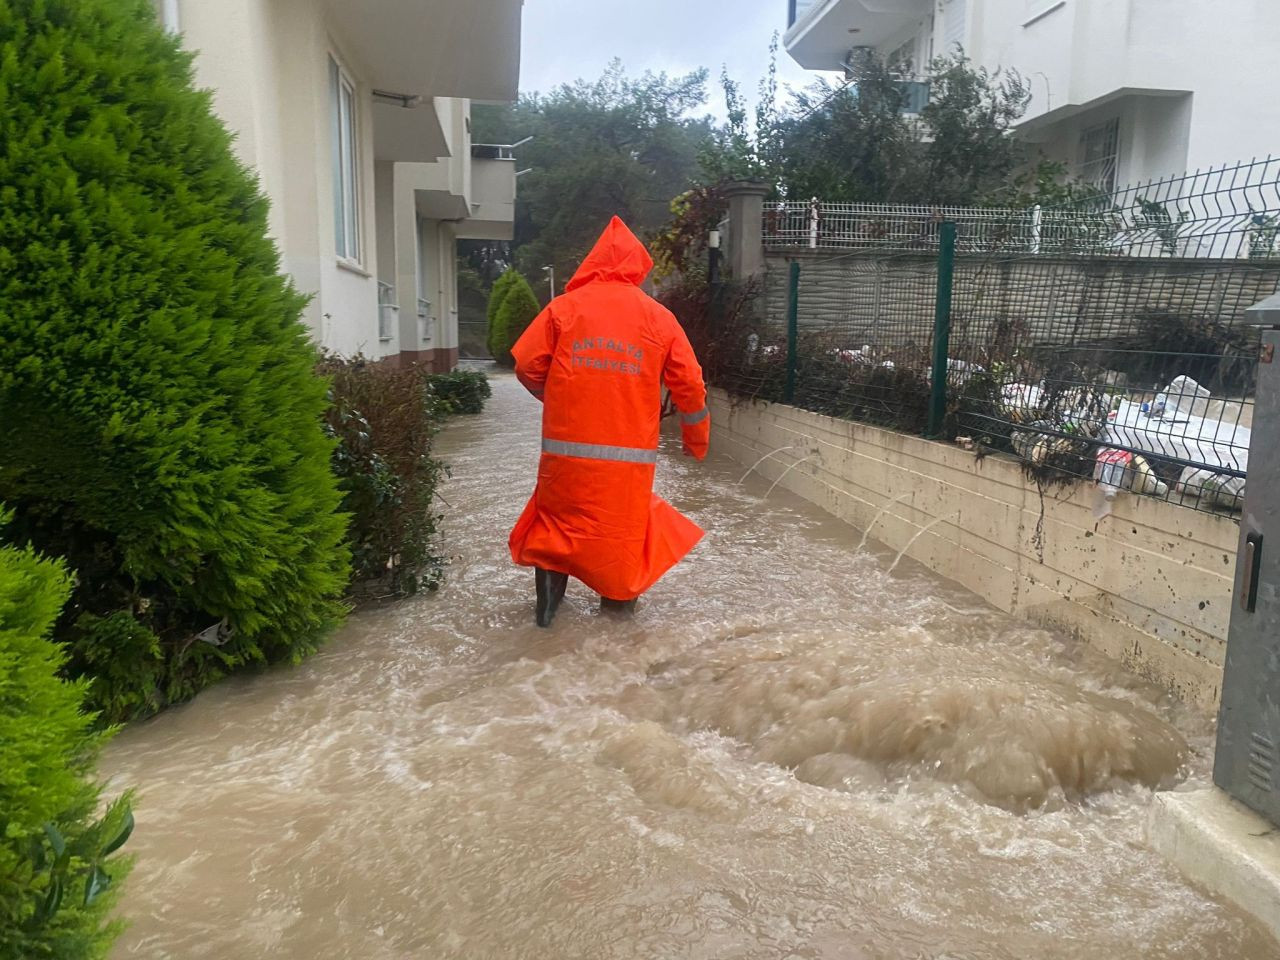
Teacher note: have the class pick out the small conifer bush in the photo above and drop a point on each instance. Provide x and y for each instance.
(497, 334)
(517, 311)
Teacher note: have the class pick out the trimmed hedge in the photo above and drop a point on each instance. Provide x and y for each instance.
(462, 391)
(516, 312)
(162, 418)
(57, 876)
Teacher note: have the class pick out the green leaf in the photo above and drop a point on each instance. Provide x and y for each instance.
(55, 839)
(99, 880)
(52, 901)
(125, 831)
(35, 854)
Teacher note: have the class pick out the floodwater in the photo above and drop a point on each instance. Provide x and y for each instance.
(787, 753)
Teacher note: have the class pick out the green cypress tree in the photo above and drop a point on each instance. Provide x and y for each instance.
(56, 881)
(501, 287)
(162, 426)
(516, 312)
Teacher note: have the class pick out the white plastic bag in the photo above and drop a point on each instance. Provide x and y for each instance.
(1213, 488)
(1183, 397)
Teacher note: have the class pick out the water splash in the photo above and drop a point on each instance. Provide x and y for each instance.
(916, 536)
(772, 453)
(784, 473)
(876, 519)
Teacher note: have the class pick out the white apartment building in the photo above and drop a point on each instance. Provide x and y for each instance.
(1123, 90)
(355, 115)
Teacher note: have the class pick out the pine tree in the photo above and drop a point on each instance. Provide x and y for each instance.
(162, 425)
(54, 868)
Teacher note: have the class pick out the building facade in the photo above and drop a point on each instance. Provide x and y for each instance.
(356, 118)
(1123, 91)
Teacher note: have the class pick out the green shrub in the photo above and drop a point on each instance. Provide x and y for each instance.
(497, 333)
(462, 391)
(385, 419)
(162, 427)
(57, 876)
(517, 311)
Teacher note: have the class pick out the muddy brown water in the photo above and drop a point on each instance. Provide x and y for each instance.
(787, 753)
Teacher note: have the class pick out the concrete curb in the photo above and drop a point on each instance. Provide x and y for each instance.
(1222, 846)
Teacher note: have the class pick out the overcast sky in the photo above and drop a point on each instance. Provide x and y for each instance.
(565, 40)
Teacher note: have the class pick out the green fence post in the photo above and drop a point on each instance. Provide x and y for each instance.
(942, 328)
(793, 323)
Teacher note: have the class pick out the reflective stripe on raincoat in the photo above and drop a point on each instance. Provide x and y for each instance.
(598, 357)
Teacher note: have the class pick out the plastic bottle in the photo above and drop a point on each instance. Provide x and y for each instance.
(1113, 471)
(1110, 470)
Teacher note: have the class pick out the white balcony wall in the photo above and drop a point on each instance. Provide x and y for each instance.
(1177, 72)
(268, 65)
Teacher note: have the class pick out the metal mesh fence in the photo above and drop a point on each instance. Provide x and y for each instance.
(1104, 340)
(1229, 212)
(863, 338)
(1139, 374)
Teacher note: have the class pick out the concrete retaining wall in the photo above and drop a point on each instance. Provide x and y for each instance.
(1150, 585)
(887, 300)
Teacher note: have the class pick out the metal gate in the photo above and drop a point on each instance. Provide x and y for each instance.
(1247, 761)
(473, 336)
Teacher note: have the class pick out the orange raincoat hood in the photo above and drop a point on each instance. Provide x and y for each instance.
(618, 257)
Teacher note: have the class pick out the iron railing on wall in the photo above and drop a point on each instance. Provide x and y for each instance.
(1231, 211)
(843, 226)
(1123, 359)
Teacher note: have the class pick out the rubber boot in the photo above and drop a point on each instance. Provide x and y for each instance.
(624, 608)
(550, 586)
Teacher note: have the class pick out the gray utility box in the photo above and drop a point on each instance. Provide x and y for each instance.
(1247, 762)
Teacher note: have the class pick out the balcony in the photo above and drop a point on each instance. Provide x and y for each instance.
(409, 130)
(824, 31)
(439, 189)
(434, 48)
(493, 195)
(799, 9)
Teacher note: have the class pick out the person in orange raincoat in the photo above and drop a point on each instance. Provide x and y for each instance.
(598, 357)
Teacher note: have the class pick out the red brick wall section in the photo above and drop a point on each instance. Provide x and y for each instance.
(436, 361)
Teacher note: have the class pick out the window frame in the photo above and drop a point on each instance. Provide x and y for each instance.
(905, 66)
(345, 129)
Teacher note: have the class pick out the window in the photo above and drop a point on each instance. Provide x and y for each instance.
(796, 9)
(1100, 155)
(346, 206)
(903, 60)
(954, 26)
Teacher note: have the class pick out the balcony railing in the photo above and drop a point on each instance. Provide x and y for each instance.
(424, 320)
(496, 151)
(388, 311)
